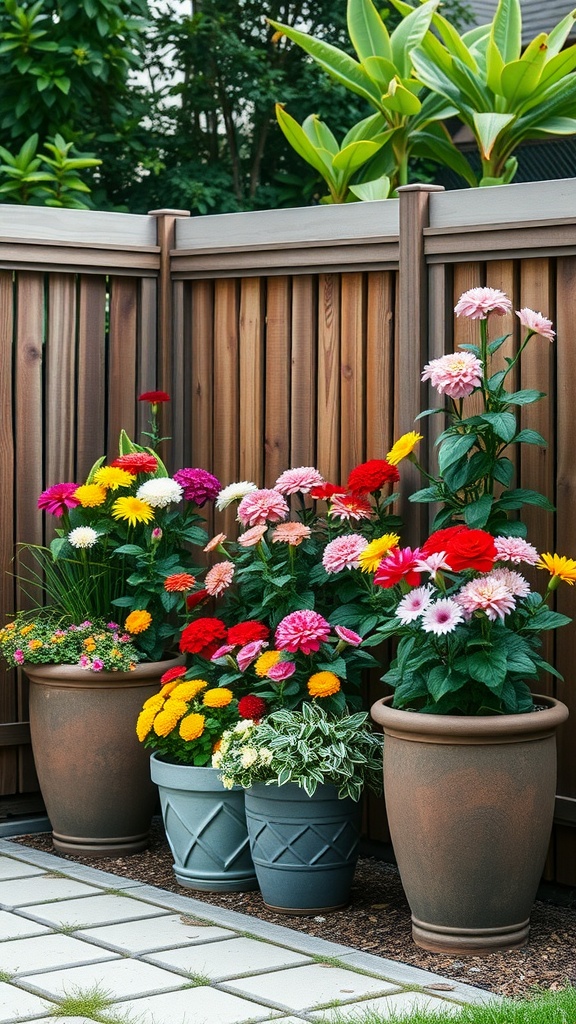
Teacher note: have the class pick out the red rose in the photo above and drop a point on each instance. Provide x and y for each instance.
(154, 397)
(371, 476)
(252, 707)
(439, 540)
(323, 492)
(471, 549)
(246, 632)
(203, 636)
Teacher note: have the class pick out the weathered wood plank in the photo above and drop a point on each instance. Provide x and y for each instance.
(122, 360)
(251, 380)
(303, 417)
(328, 412)
(278, 355)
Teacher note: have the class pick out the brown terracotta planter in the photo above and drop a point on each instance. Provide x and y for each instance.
(93, 772)
(470, 803)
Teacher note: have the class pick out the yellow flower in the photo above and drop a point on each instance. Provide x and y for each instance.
(33, 645)
(323, 684)
(90, 495)
(89, 643)
(265, 662)
(144, 723)
(27, 629)
(138, 621)
(156, 702)
(168, 718)
(558, 566)
(403, 447)
(189, 688)
(218, 697)
(57, 639)
(112, 477)
(132, 509)
(167, 688)
(10, 625)
(192, 727)
(370, 557)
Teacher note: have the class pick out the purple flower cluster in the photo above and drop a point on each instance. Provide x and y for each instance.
(199, 485)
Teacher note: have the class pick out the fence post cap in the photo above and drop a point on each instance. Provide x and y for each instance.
(422, 186)
(169, 213)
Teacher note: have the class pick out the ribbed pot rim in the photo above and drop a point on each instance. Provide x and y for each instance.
(418, 727)
(189, 776)
(74, 676)
(292, 791)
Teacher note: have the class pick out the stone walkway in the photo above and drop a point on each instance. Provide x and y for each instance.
(67, 930)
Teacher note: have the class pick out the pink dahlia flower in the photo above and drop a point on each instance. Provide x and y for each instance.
(488, 595)
(247, 654)
(58, 498)
(199, 485)
(398, 564)
(252, 537)
(281, 670)
(262, 506)
(222, 652)
(290, 533)
(515, 549)
(304, 631)
(302, 479)
(517, 584)
(536, 323)
(348, 636)
(347, 506)
(455, 375)
(342, 552)
(219, 578)
(477, 303)
(441, 617)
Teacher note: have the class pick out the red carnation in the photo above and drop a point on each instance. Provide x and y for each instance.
(203, 636)
(471, 549)
(252, 707)
(439, 540)
(326, 491)
(136, 462)
(193, 600)
(246, 632)
(173, 673)
(371, 476)
(154, 397)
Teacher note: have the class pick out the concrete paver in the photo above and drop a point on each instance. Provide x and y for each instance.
(165, 958)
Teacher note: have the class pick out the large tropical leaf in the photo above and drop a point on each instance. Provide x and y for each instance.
(380, 70)
(369, 128)
(559, 34)
(320, 135)
(520, 78)
(368, 33)
(507, 29)
(379, 188)
(488, 127)
(353, 156)
(433, 144)
(400, 99)
(557, 66)
(409, 34)
(301, 143)
(453, 41)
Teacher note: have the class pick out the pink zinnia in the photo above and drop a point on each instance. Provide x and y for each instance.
(348, 636)
(19, 657)
(199, 485)
(304, 631)
(455, 375)
(515, 549)
(346, 506)
(441, 617)
(252, 537)
(342, 552)
(488, 595)
(536, 323)
(413, 604)
(477, 303)
(302, 479)
(215, 542)
(262, 506)
(58, 499)
(291, 533)
(516, 583)
(222, 652)
(97, 665)
(247, 654)
(219, 578)
(398, 564)
(281, 670)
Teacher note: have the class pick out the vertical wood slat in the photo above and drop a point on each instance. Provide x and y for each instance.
(277, 377)
(304, 361)
(8, 690)
(60, 429)
(379, 387)
(251, 378)
(147, 352)
(91, 426)
(328, 420)
(352, 373)
(172, 424)
(226, 366)
(122, 360)
(200, 342)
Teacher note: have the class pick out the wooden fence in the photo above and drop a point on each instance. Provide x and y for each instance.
(290, 337)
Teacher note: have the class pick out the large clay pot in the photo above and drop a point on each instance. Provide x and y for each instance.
(205, 826)
(470, 803)
(304, 847)
(94, 774)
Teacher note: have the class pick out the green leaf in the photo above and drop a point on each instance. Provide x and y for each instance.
(477, 513)
(454, 448)
(503, 471)
(507, 29)
(503, 424)
(409, 34)
(368, 34)
(354, 156)
(425, 494)
(525, 397)
(530, 437)
(370, 190)
(523, 496)
(129, 549)
(300, 142)
(488, 127)
(488, 666)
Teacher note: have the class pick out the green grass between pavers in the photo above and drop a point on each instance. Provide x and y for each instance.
(541, 1008)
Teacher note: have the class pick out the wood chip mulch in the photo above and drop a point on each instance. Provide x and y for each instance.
(378, 921)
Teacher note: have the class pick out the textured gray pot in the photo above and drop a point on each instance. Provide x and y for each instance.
(304, 848)
(206, 828)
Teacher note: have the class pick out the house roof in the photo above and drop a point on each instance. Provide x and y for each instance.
(536, 16)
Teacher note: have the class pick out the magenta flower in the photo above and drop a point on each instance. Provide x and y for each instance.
(515, 549)
(84, 661)
(304, 631)
(262, 506)
(455, 375)
(247, 654)
(536, 323)
(199, 485)
(281, 670)
(97, 664)
(398, 564)
(19, 657)
(302, 479)
(58, 499)
(348, 636)
(222, 652)
(488, 595)
(477, 303)
(342, 552)
(413, 604)
(441, 617)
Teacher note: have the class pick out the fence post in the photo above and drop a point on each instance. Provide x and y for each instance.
(165, 237)
(412, 341)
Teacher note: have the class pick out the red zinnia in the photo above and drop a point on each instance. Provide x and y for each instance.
(326, 491)
(203, 636)
(136, 462)
(246, 632)
(371, 476)
(252, 707)
(439, 540)
(173, 673)
(193, 600)
(154, 397)
(471, 549)
(179, 582)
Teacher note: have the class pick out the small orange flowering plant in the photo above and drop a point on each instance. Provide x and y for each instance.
(98, 646)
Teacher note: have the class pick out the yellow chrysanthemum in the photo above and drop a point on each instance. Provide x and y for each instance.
(265, 662)
(144, 723)
(559, 566)
(167, 688)
(133, 509)
(370, 557)
(27, 629)
(156, 702)
(90, 644)
(112, 477)
(191, 727)
(10, 626)
(58, 638)
(90, 495)
(33, 645)
(323, 684)
(403, 447)
(218, 697)
(168, 718)
(138, 621)
(189, 688)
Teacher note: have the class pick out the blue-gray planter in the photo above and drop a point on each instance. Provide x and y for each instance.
(206, 828)
(304, 848)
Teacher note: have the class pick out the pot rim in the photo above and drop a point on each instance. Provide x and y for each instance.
(64, 676)
(426, 728)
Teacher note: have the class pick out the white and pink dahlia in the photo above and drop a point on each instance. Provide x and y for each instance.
(262, 506)
(302, 479)
(219, 578)
(441, 616)
(516, 583)
(349, 506)
(303, 630)
(477, 303)
(515, 549)
(414, 604)
(290, 533)
(342, 552)
(488, 595)
(455, 375)
(536, 323)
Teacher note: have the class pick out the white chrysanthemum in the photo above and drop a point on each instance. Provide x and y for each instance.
(249, 757)
(244, 726)
(160, 492)
(216, 758)
(83, 537)
(266, 755)
(234, 492)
